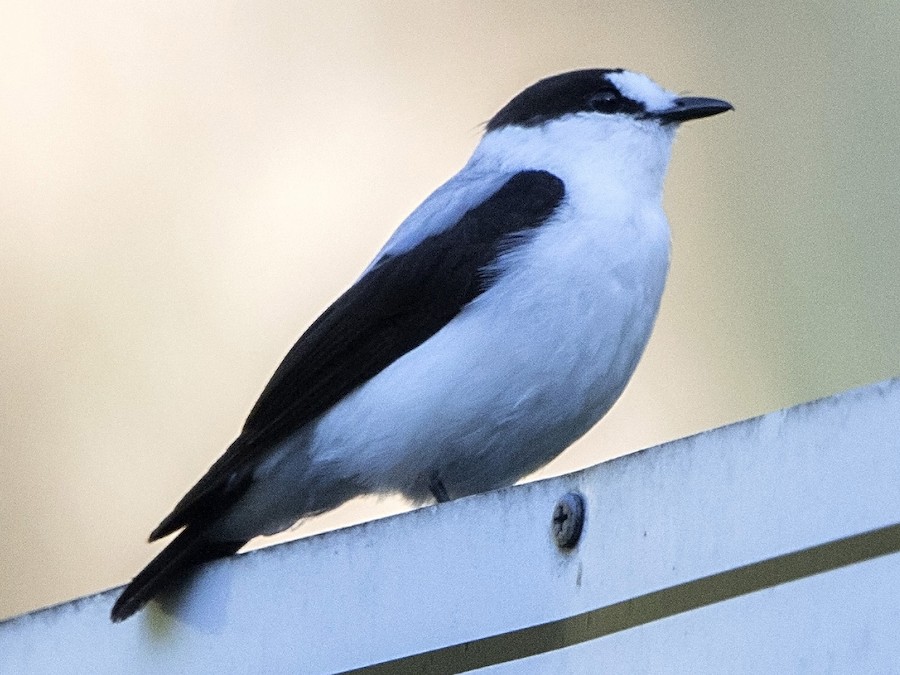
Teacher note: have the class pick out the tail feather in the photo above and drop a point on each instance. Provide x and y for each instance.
(189, 549)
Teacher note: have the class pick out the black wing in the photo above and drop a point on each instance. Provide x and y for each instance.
(400, 303)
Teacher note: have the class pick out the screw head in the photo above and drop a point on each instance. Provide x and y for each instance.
(568, 520)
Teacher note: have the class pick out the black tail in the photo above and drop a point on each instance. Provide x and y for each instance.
(189, 549)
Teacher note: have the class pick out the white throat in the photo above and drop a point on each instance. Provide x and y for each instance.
(621, 151)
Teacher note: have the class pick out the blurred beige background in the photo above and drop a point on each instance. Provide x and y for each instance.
(185, 186)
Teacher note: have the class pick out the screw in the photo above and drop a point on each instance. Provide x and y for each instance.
(568, 520)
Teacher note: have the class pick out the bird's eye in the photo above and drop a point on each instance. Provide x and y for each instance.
(605, 101)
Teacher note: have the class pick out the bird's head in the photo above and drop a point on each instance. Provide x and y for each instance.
(602, 94)
(599, 115)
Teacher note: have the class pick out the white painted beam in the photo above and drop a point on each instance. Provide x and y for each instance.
(767, 545)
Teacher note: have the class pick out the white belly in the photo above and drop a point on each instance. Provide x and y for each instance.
(521, 373)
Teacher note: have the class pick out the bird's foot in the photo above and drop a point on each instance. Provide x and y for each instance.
(437, 489)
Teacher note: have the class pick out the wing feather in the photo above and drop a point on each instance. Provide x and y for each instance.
(400, 302)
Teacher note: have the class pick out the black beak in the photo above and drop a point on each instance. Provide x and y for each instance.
(692, 108)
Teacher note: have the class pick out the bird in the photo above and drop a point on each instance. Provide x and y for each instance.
(497, 325)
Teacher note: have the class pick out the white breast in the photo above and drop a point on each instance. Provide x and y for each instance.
(523, 371)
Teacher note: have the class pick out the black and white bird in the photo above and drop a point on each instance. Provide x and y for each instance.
(498, 324)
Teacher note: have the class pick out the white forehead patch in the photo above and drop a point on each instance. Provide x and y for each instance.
(639, 87)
